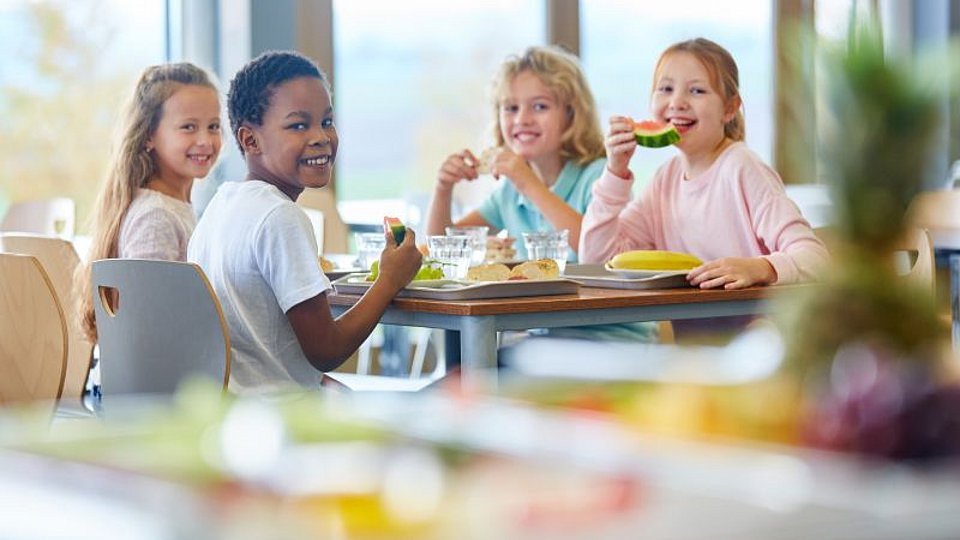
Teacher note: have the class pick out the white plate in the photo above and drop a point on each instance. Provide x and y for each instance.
(632, 273)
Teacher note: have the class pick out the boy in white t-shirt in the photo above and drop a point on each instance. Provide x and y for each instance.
(257, 246)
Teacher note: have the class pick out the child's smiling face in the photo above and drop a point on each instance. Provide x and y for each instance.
(684, 96)
(531, 119)
(187, 140)
(296, 144)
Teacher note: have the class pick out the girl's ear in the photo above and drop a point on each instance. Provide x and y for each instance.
(733, 105)
(248, 140)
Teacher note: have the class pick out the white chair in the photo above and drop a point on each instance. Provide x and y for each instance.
(33, 333)
(165, 325)
(362, 380)
(59, 260)
(422, 338)
(316, 220)
(50, 217)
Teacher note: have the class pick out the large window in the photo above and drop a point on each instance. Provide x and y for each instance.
(67, 66)
(411, 86)
(622, 40)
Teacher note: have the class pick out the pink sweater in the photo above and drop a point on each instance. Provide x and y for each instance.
(737, 208)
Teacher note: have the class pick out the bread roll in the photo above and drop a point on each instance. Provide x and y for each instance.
(539, 269)
(500, 249)
(488, 272)
(326, 264)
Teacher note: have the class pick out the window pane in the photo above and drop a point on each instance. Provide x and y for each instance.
(67, 66)
(622, 40)
(411, 86)
(833, 17)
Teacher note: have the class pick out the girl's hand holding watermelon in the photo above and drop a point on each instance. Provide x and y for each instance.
(620, 144)
(624, 131)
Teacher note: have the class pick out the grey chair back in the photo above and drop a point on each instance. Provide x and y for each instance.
(158, 323)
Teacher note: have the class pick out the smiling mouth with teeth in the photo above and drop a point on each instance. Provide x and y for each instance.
(682, 125)
(317, 161)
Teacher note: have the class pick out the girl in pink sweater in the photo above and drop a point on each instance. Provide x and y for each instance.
(716, 199)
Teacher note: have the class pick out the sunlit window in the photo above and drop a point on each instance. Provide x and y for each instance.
(66, 67)
(622, 40)
(411, 86)
(833, 17)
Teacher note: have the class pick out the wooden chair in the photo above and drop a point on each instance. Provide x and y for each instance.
(59, 260)
(51, 217)
(33, 333)
(913, 254)
(936, 210)
(166, 325)
(918, 263)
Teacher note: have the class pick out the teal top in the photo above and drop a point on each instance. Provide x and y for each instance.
(507, 209)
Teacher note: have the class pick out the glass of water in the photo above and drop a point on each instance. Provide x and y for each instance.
(548, 245)
(478, 235)
(369, 247)
(454, 254)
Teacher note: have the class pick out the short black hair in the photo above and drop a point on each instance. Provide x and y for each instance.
(252, 87)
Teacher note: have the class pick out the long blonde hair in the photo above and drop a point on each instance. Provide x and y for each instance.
(132, 165)
(558, 70)
(724, 77)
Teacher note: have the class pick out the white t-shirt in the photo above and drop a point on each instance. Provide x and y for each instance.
(258, 250)
(156, 226)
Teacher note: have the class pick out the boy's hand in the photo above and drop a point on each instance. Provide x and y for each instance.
(514, 167)
(460, 166)
(733, 273)
(399, 263)
(620, 145)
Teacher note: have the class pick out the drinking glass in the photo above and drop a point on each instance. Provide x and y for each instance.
(548, 245)
(454, 254)
(369, 247)
(478, 235)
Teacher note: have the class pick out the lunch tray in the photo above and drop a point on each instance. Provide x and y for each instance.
(450, 289)
(595, 275)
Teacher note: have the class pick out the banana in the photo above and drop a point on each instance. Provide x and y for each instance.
(648, 259)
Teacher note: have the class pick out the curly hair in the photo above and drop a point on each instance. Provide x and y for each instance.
(558, 70)
(253, 86)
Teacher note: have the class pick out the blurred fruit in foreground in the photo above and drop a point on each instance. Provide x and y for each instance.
(875, 406)
(868, 341)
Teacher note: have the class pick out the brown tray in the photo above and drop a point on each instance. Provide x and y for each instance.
(450, 289)
(595, 275)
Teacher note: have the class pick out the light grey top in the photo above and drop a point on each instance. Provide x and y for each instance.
(156, 226)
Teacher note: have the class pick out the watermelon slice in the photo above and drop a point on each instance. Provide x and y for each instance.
(397, 227)
(654, 134)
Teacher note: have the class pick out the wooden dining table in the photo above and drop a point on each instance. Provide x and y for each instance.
(479, 321)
